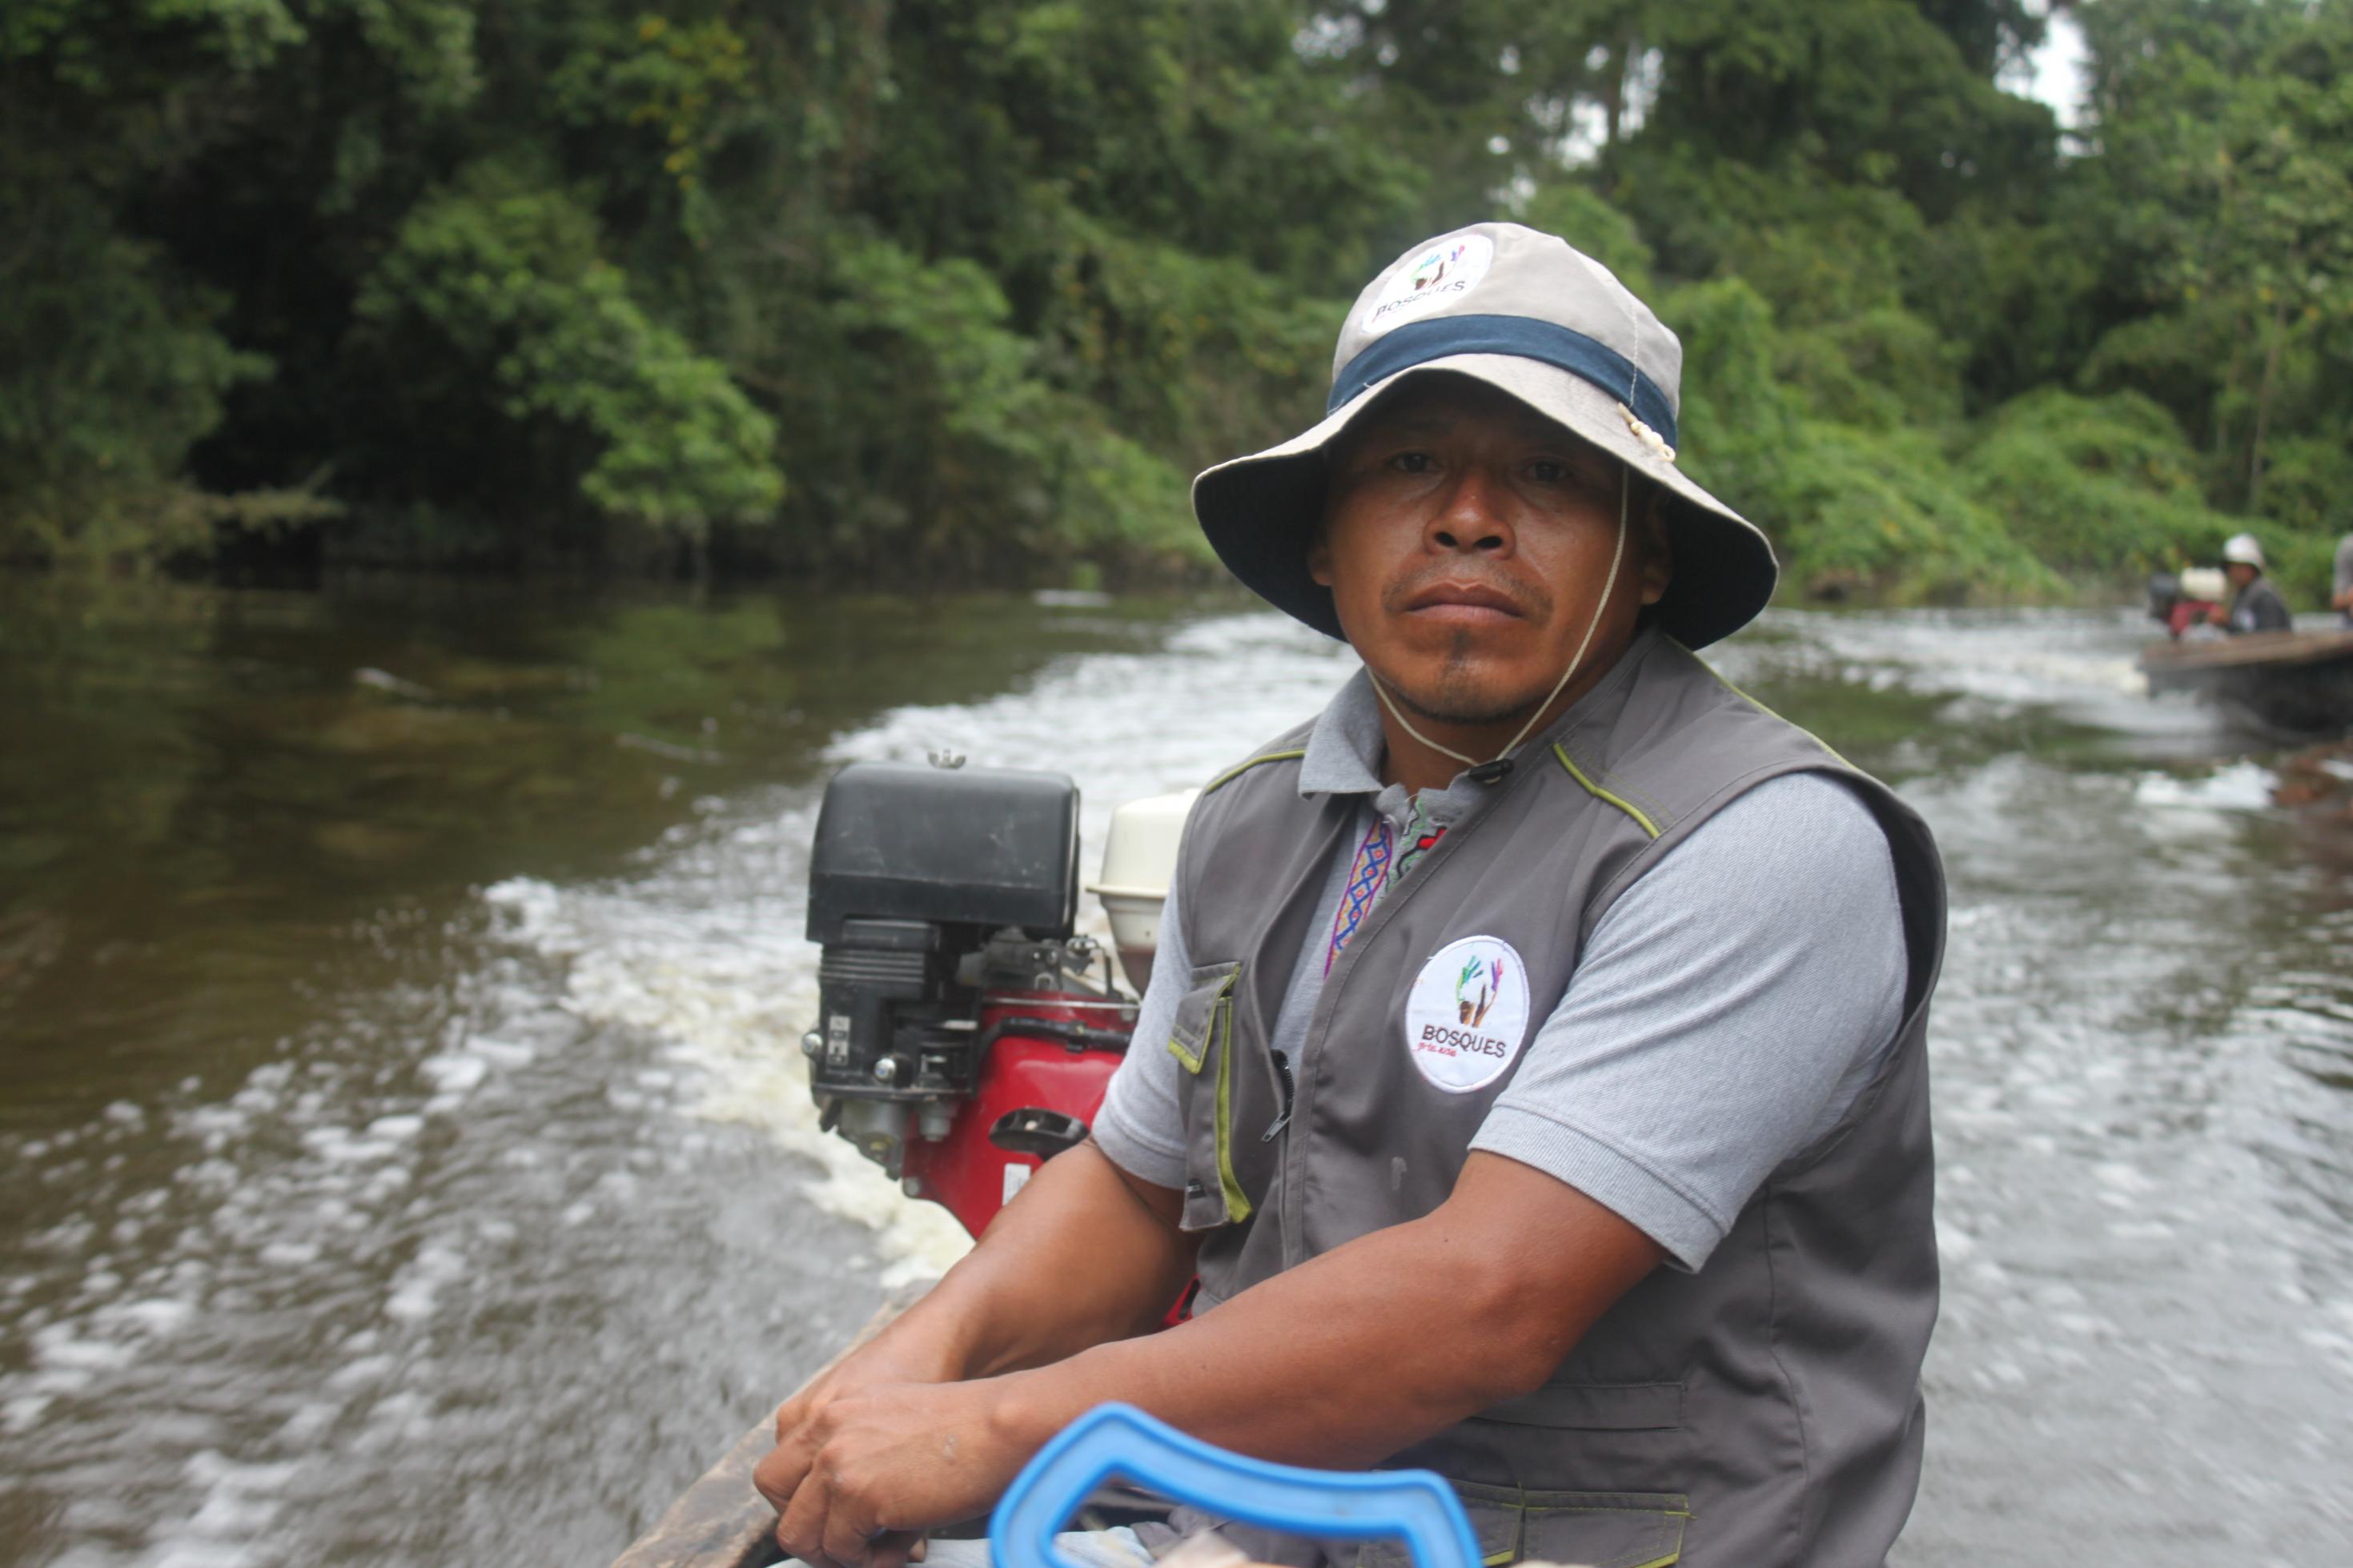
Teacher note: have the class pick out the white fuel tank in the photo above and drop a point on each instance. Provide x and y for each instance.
(2205, 582)
(1139, 858)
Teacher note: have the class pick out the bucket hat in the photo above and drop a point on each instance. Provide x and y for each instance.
(1529, 314)
(2244, 549)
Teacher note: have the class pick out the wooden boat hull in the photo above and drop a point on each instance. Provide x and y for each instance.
(2290, 686)
(720, 1521)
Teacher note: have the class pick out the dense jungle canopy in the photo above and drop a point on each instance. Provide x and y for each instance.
(967, 289)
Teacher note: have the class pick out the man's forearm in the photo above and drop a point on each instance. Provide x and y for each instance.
(1341, 1361)
(1077, 1259)
(1367, 1348)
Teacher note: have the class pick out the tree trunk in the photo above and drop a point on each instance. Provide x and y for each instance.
(1613, 97)
(2222, 407)
(2263, 403)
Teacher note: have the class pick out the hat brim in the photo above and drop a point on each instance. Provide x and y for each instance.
(1260, 512)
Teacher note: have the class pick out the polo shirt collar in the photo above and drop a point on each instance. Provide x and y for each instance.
(1344, 748)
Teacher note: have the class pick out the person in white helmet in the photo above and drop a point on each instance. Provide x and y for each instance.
(2255, 605)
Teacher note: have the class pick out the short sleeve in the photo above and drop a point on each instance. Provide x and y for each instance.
(1727, 1010)
(1141, 1123)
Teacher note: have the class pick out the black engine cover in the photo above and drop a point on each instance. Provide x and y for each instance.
(983, 847)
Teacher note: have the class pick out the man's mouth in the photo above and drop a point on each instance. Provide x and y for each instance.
(1463, 604)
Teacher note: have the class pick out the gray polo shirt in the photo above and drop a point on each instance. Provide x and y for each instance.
(1724, 1014)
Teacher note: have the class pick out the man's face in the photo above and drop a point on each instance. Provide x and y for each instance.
(2242, 573)
(1466, 540)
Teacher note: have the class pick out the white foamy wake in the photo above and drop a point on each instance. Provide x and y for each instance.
(705, 951)
(2239, 786)
(728, 990)
(2008, 656)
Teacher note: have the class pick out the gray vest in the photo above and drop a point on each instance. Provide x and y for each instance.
(1764, 1410)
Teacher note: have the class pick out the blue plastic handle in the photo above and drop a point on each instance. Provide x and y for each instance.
(1415, 1506)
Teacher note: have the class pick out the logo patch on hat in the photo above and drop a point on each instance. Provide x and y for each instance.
(1467, 1014)
(1446, 271)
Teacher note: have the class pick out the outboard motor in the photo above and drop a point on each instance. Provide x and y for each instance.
(2183, 602)
(965, 1032)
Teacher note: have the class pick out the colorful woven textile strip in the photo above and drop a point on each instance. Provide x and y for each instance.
(1367, 877)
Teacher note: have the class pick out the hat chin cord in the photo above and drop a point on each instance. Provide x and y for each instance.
(1494, 770)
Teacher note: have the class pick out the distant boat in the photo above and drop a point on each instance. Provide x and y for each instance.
(2287, 686)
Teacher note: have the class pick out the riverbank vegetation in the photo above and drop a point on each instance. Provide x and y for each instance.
(965, 289)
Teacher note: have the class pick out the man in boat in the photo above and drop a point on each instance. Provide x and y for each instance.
(2255, 605)
(1533, 1073)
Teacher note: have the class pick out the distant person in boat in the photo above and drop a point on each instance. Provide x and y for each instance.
(2340, 596)
(1533, 1073)
(2255, 605)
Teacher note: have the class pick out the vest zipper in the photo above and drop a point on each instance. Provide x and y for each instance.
(1290, 1090)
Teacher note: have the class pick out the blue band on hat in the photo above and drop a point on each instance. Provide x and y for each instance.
(1419, 342)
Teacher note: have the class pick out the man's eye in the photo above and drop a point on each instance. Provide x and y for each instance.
(1556, 471)
(1411, 462)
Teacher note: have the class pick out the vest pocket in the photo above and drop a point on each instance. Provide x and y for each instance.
(1201, 1039)
(1595, 1407)
(1606, 1530)
(1201, 1013)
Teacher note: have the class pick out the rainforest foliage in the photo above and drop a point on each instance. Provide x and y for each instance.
(966, 289)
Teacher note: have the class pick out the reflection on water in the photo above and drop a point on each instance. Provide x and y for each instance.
(405, 1160)
(208, 795)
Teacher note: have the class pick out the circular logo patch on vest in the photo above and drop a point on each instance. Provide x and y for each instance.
(1467, 1014)
(1444, 272)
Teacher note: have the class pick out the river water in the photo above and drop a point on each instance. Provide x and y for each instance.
(404, 1157)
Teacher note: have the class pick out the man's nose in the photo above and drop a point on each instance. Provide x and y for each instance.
(1469, 518)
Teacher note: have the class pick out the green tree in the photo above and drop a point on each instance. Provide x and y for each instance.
(964, 290)
(493, 298)
(2225, 181)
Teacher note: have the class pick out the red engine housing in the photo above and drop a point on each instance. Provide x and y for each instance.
(967, 1173)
